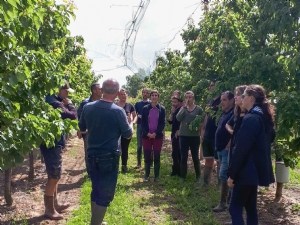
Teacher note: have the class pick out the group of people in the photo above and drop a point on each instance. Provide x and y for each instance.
(239, 141)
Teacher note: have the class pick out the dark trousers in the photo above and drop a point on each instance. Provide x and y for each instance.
(243, 196)
(104, 171)
(139, 143)
(189, 143)
(175, 155)
(152, 145)
(124, 148)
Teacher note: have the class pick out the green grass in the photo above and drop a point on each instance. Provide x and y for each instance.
(169, 201)
(295, 175)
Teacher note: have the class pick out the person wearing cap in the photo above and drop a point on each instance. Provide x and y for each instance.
(96, 94)
(175, 124)
(53, 155)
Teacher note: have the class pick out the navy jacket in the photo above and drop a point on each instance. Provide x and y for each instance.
(67, 112)
(161, 120)
(250, 162)
(82, 104)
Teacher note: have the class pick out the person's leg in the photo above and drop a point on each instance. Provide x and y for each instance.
(195, 143)
(208, 167)
(208, 154)
(53, 162)
(223, 159)
(147, 145)
(175, 156)
(139, 144)
(184, 149)
(251, 206)
(157, 145)
(124, 148)
(59, 206)
(104, 175)
(236, 205)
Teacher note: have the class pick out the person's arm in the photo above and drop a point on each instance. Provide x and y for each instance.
(132, 113)
(136, 113)
(181, 113)
(161, 120)
(202, 129)
(126, 131)
(145, 125)
(68, 110)
(244, 142)
(82, 122)
(229, 125)
(79, 110)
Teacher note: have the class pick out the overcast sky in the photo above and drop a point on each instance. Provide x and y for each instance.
(102, 23)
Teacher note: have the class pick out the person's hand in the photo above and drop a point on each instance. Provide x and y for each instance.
(67, 101)
(153, 135)
(173, 109)
(79, 134)
(129, 117)
(177, 134)
(230, 182)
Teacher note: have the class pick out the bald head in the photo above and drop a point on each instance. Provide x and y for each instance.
(110, 87)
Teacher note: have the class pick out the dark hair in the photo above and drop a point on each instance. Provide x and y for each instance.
(176, 97)
(259, 93)
(229, 94)
(239, 89)
(93, 86)
(123, 89)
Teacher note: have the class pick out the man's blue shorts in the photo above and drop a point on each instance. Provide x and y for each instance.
(53, 161)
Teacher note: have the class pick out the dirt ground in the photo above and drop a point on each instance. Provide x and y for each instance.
(28, 196)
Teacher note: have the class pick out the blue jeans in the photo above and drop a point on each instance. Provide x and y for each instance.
(223, 160)
(103, 172)
(243, 196)
(139, 143)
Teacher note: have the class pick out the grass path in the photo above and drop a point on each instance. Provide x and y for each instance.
(169, 201)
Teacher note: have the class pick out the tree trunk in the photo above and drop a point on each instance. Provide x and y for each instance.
(31, 167)
(278, 195)
(7, 186)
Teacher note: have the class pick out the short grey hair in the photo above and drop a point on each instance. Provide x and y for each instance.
(110, 86)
